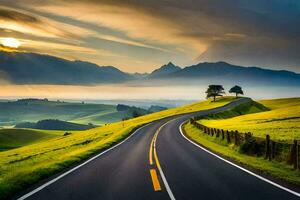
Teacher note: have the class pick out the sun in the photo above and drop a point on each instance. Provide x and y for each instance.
(10, 42)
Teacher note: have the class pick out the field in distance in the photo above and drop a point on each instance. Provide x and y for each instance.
(34, 110)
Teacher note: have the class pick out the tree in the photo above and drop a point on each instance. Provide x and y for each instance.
(237, 90)
(121, 107)
(135, 114)
(214, 91)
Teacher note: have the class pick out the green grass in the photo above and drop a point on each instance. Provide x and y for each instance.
(102, 118)
(33, 111)
(26, 165)
(276, 169)
(281, 122)
(14, 138)
(243, 109)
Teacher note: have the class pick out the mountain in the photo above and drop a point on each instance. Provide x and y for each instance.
(32, 68)
(222, 72)
(164, 70)
(137, 75)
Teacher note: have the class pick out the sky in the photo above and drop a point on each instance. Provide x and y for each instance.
(141, 35)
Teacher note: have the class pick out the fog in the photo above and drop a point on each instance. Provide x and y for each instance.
(133, 92)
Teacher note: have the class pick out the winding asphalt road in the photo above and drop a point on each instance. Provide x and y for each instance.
(157, 162)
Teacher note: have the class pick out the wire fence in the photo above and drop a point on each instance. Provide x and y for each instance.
(255, 146)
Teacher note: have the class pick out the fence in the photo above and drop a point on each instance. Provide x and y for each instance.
(270, 149)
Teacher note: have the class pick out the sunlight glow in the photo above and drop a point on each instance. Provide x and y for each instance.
(10, 42)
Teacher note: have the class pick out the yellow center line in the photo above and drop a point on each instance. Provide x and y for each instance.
(152, 150)
(150, 153)
(156, 159)
(156, 184)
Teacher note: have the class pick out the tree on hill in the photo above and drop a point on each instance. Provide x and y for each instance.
(237, 90)
(122, 107)
(214, 91)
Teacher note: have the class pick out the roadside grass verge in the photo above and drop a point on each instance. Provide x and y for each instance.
(24, 166)
(276, 169)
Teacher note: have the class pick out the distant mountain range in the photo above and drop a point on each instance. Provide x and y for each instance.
(32, 68)
(222, 72)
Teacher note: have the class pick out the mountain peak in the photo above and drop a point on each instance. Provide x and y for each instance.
(170, 64)
(165, 69)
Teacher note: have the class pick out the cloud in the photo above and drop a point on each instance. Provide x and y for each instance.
(261, 32)
(254, 52)
(136, 23)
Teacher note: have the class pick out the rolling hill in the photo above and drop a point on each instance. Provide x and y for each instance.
(54, 124)
(14, 138)
(33, 110)
(33, 113)
(281, 121)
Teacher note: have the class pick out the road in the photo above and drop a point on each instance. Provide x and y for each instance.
(157, 162)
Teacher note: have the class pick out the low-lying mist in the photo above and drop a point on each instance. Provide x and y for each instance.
(135, 92)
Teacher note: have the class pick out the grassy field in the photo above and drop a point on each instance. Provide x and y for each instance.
(13, 112)
(102, 118)
(14, 138)
(26, 165)
(33, 110)
(276, 169)
(281, 122)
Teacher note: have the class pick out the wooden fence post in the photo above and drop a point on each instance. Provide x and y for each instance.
(268, 147)
(212, 132)
(236, 137)
(222, 131)
(228, 136)
(218, 133)
(296, 159)
(273, 150)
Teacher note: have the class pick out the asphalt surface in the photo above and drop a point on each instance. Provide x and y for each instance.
(191, 173)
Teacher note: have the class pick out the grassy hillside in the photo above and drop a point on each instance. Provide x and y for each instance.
(54, 124)
(26, 165)
(111, 116)
(14, 138)
(243, 109)
(281, 122)
(34, 110)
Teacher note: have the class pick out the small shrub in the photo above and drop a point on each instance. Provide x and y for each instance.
(252, 147)
(67, 133)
